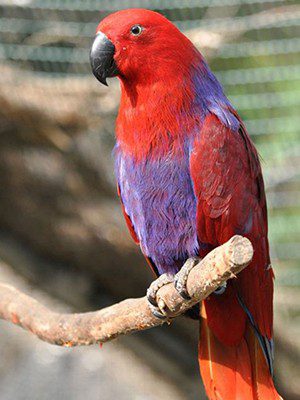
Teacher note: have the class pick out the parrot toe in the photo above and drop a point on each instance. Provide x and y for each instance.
(182, 276)
(221, 289)
(158, 308)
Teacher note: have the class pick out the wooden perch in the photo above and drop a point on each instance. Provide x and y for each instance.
(130, 315)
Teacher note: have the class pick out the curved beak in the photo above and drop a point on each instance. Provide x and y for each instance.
(102, 58)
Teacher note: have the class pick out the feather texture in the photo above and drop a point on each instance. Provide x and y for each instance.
(189, 178)
(235, 372)
(228, 184)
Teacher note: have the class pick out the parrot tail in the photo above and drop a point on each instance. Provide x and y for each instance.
(238, 372)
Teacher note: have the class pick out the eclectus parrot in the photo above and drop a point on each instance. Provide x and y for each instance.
(189, 178)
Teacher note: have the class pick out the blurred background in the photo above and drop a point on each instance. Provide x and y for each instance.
(62, 236)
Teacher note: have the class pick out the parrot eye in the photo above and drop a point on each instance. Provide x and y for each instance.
(136, 30)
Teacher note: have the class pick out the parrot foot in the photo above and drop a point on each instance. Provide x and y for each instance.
(221, 289)
(158, 308)
(182, 276)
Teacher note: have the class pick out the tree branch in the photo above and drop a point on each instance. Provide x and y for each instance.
(130, 315)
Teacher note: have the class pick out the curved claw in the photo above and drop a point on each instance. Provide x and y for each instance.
(157, 312)
(158, 308)
(151, 297)
(221, 289)
(182, 276)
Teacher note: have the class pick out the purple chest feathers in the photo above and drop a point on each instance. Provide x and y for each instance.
(159, 199)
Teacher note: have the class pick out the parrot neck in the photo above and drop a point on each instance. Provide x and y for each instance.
(161, 116)
(151, 116)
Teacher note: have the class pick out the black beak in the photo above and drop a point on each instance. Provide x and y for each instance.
(102, 58)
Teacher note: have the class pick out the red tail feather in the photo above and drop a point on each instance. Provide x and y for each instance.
(237, 372)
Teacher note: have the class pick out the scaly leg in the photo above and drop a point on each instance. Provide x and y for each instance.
(182, 276)
(158, 310)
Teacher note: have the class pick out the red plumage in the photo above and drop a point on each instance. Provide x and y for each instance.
(228, 182)
(180, 141)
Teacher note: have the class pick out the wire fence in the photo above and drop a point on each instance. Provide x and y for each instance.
(253, 46)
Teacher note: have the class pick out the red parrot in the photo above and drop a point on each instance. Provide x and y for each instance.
(189, 178)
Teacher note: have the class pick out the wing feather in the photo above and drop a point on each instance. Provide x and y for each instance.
(229, 188)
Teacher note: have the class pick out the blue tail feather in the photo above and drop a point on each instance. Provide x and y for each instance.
(266, 344)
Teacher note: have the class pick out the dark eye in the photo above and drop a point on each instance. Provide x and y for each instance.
(136, 30)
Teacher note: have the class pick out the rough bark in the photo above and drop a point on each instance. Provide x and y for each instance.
(130, 315)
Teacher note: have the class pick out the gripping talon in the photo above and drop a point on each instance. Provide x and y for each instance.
(151, 299)
(182, 276)
(221, 289)
(157, 312)
(158, 309)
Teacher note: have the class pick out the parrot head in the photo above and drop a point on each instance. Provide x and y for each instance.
(140, 46)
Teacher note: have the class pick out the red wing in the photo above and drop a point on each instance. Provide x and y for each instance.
(229, 187)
